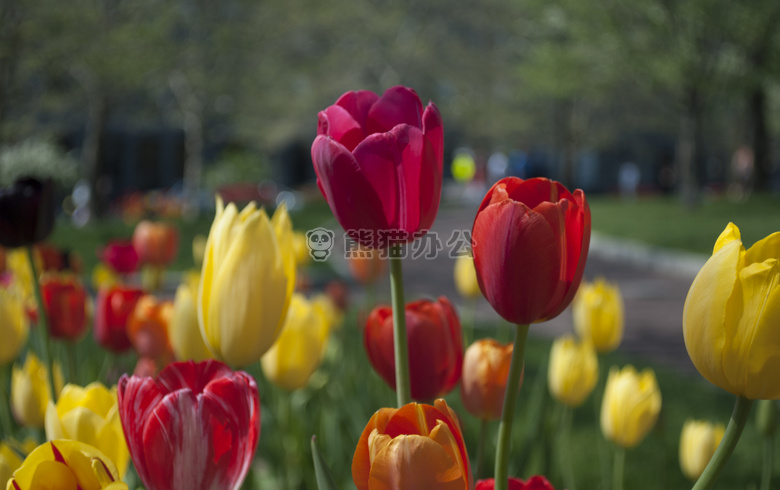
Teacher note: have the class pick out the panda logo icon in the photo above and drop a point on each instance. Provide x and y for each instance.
(320, 243)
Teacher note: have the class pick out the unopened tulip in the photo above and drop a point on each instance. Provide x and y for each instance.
(299, 350)
(13, 320)
(731, 315)
(573, 371)
(194, 426)
(435, 346)
(698, 442)
(597, 312)
(66, 465)
(156, 243)
(89, 415)
(247, 281)
(26, 212)
(534, 483)
(466, 277)
(530, 242)
(183, 330)
(631, 404)
(485, 372)
(66, 303)
(379, 164)
(121, 256)
(413, 447)
(30, 391)
(113, 308)
(147, 327)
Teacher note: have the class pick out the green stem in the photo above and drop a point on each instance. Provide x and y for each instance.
(5, 402)
(70, 352)
(501, 477)
(480, 463)
(403, 387)
(730, 438)
(618, 468)
(43, 325)
(565, 453)
(766, 470)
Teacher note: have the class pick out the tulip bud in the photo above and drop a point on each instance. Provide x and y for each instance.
(13, 320)
(597, 312)
(26, 212)
(466, 277)
(30, 391)
(485, 373)
(184, 330)
(573, 371)
(114, 306)
(631, 404)
(698, 442)
(300, 249)
(121, 256)
(147, 327)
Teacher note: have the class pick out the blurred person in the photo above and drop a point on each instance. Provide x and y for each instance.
(742, 166)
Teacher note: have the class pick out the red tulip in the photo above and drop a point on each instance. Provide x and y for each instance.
(530, 243)
(120, 256)
(195, 426)
(534, 483)
(113, 308)
(435, 346)
(379, 164)
(65, 301)
(156, 243)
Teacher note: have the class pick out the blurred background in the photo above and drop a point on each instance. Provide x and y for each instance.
(119, 98)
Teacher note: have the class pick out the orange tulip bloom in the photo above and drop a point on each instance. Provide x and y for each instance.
(367, 266)
(147, 327)
(156, 243)
(415, 447)
(483, 382)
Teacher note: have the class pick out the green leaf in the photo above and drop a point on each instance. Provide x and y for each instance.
(324, 476)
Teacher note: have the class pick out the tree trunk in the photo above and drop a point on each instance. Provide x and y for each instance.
(761, 148)
(192, 111)
(690, 149)
(91, 151)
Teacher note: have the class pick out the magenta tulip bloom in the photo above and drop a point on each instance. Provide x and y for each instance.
(379, 164)
(195, 426)
(121, 256)
(530, 243)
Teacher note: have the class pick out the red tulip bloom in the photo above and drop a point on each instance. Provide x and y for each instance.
(120, 256)
(530, 243)
(195, 426)
(379, 164)
(112, 311)
(435, 346)
(156, 243)
(534, 483)
(65, 301)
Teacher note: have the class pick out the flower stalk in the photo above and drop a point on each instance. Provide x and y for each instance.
(43, 325)
(403, 385)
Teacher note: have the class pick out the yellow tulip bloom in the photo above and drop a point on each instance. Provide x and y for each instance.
(300, 348)
(183, 329)
(66, 465)
(731, 315)
(573, 370)
(597, 312)
(89, 415)
(466, 277)
(698, 442)
(14, 325)
(301, 249)
(247, 282)
(104, 277)
(30, 391)
(631, 404)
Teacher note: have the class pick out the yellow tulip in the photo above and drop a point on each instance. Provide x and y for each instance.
(631, 404)
(183, 329)
(89, 415)
(731, 315)
(9, 457)
(466, 277)
(198, 249)
(300, 348)
(104, 277)
(30, 391)
(247, 282)
(66, 465)
(698, 442)
(597, 312)
(301, 248)
(13, 323)
(333, 316)
(18, 263)
(573, 370)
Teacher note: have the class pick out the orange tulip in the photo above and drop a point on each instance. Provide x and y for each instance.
(415, 447)
(156, 243)
(147, 327)
(483, 382)
(366, 265)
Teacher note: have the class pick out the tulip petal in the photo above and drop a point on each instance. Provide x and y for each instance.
(338, 123)
(412, 462)
(398, 105)
(143, 395)
(191, 375)
(434, 132)
(357, 104)
(361, 461)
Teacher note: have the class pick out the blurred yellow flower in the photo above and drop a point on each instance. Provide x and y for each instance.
(597, 312)
(731, 316)
(66, 465)
(104, 276)
(334, 317)
(89, 415)
(198, 249)
(299, 349)
(10, 459)
(573, 370)
(247, 282)
(301, 249)
(698, 442)
(631, 404)
(466, 277)
(30, 391)
(183, 329)
(14, 325)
